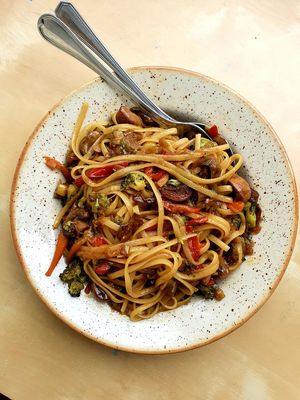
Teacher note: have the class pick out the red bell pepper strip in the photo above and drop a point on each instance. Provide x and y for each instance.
(236, 206)
(54, 164)
(180, 208)
(102, 269)
(102, 172)
(155, 176)
(195, 247)
(61, 246)
(212, 131)
(97, 241)
(88, 288)
(73, 250)
(192, 222)
(151, 228)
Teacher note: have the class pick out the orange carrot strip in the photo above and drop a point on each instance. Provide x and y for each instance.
(73, 250)
(61, 245)
(54, 164)
(236, 206)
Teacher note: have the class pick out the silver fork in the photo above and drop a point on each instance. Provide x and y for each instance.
(69, 32)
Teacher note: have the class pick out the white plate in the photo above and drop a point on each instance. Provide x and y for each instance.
(200, 322)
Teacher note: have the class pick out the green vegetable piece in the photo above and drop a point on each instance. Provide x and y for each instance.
(206, 142)
(184, 218)
(174, 182)
(98, 202)
(72, 190)
(250, 214)
(71, 272)
(68, 226)
(208, 292)
(74, 276)
(75, 287)
(81, 202)
(236, 220)
(134, 181)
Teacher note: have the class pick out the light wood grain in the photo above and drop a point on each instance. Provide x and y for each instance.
(252, 46)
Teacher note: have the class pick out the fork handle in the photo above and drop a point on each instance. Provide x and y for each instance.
(58, 34)
(67, 13)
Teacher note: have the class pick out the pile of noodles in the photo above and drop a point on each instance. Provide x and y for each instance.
(156, 251)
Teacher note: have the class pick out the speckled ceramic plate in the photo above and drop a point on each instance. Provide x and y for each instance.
(200, 322)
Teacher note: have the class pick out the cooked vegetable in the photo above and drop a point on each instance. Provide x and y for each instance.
(102, 268)
(174, 182)
(223, 272)
(208, 292)
(134, 181)
(72, 190)
(99, 293)
(125, 116)
(75, 287)
(99, 202)
(219, 294)
(147, 120)
(71, 158)
(195, 247)
(236, 220)
(177, 194)
(250, 213)
(98, 240)
(241, 188)
(194, 222)
(254, 196)
(61, 190)
(208, 167)
(205, 143)
(102, 172)
(212, 131)
(236, 206)
(73, 250)
(61, 246)
(179, 208)
(75, 222)
(127, 230)
(54, 164)
(71, 272)
(155, 175)
(74, 277)
(144, 201)
(87, 142)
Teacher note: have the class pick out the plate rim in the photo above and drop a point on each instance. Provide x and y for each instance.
(127, 348)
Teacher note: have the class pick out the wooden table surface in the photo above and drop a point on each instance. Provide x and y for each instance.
(252, 46)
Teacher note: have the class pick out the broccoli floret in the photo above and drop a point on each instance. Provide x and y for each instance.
(98, 202)
(250, 213)
(71, 272)
(68, 228)
(134, 181)
(74, 277)
(75, 287)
